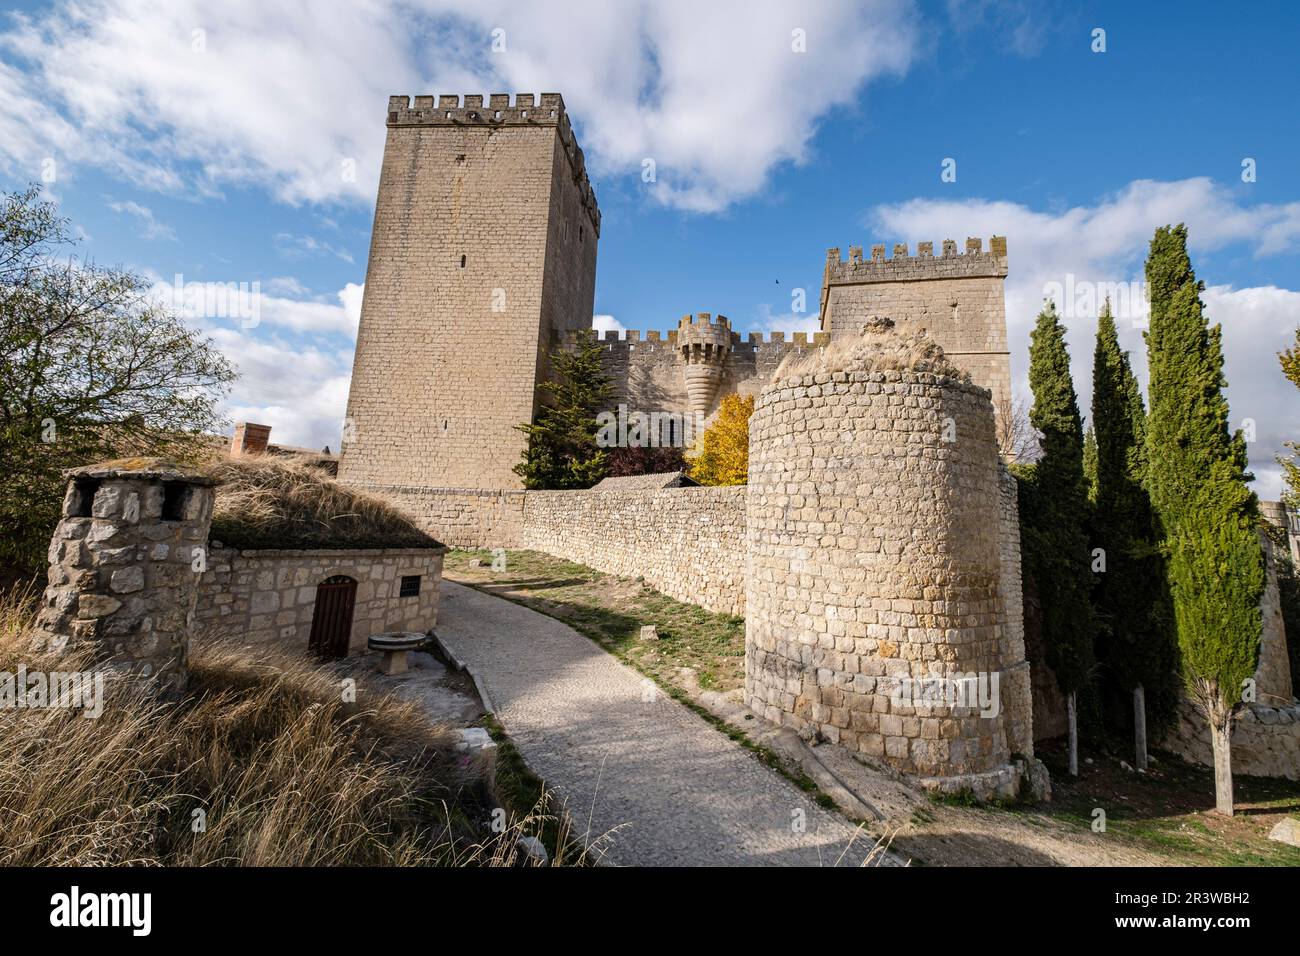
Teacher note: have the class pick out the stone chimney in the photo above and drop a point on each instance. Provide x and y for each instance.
(249, 439)
(125, 562)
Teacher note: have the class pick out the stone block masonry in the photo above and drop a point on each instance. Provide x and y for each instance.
(956, 299)
(269, 597)
(1265, 740)
(483, 252)
(125, 562)
(688, 543)
(877, 550)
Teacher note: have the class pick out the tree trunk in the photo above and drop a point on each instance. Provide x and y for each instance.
(1074, 733)
(1221, 741)
(1140, 727)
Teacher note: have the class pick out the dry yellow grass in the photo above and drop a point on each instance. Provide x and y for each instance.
(265, 502)
(283, 771)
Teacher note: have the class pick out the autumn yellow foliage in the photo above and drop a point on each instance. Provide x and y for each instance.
(721, 456)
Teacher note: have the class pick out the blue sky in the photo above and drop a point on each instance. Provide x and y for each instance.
(243, 146)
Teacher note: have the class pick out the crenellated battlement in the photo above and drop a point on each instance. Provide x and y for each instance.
(901, 267)
(740, 341)
(470, 112)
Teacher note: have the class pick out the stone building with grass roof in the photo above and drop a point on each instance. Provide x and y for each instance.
(297, 560)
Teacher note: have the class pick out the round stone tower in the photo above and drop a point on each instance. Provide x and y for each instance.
(125, 562)
(873, 532)
(704, 344)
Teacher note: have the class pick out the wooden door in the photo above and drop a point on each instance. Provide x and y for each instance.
(331, 622)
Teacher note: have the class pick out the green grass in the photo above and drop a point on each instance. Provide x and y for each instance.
(528, 803)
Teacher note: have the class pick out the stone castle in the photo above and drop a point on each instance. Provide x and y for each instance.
(483, 260)
(876, 548)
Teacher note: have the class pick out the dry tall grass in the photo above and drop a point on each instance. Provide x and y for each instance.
(283, 771)
(265, 502)
(879, 348)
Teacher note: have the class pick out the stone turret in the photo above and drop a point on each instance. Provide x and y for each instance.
(873, 613)
(125, 562)
(703, 345)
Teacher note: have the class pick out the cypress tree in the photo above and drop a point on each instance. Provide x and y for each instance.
(1090, 463)
(1056, 535)
(1135, 647)
(1206, 516)
(562, 451)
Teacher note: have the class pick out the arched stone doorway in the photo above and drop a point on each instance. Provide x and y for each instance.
(331, 622)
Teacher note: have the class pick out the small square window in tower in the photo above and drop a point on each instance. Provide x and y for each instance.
(410, 586)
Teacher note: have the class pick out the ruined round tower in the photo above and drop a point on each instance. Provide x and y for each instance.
(703, 344)
(873, 608)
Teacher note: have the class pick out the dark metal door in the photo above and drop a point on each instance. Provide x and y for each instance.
(331, 622)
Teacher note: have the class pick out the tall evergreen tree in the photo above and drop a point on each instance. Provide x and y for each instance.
(1090, 463)
(562, 451)
(1055, 527)
(1134, 644)
(1206, 516)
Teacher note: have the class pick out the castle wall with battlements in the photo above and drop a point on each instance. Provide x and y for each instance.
(648, 372)
(483, 253)
(956, 298)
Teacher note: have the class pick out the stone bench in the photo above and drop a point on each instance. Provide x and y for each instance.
(395, 646)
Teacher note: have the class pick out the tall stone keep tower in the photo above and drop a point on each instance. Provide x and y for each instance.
(483, 254)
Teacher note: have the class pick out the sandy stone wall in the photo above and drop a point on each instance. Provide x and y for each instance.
(122, 564)
(1017, 692)
(875, 557)
(957, 298)
(1265, 740)
(649, 374)
(268, 597)
(460, 517)
(688, 543)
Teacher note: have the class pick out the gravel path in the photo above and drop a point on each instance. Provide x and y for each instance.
(623, 754)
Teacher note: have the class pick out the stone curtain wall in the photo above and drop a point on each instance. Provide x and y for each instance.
(268, 597)
(1017, 692)
(688, 543)
(460, 517)
(874, 551)
(1265, 740)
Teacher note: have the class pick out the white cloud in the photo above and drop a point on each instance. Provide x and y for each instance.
(1106, 244)
(607, 323)
(713, 93)
(768, 321)
(305, 247)
(150, 227)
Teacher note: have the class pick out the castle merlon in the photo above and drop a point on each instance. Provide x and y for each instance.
(950, 264)
(739, 341)
(470, 112)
